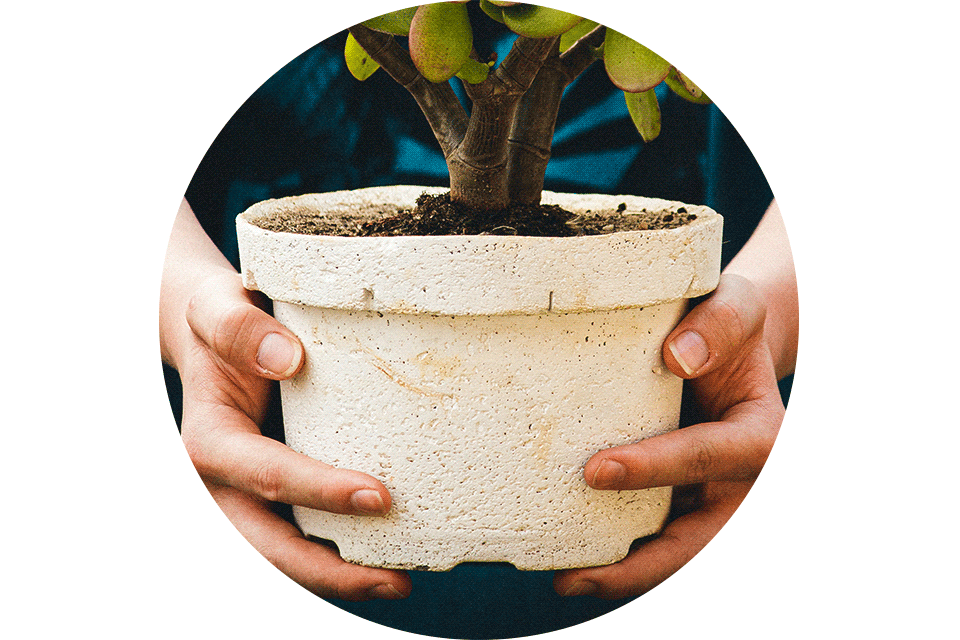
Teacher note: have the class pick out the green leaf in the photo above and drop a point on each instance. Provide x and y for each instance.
(581, 29)
(395, 23)
(645, 113)
(440, 40)
(630, 65)
(685, 88)
(534, 21)
(473, 72)
(359, 62)
(492, 9)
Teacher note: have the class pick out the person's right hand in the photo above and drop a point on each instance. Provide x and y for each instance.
(232, 351)
(721, 348)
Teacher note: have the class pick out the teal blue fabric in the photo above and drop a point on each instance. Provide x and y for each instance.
(312, 127)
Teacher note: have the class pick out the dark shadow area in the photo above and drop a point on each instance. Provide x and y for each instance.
(482, 600)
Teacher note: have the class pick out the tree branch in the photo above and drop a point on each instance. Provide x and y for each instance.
(582, 53)
(531, 135)
(523, 62)
(445, 115)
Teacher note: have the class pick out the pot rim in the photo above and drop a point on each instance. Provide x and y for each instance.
(480, 275)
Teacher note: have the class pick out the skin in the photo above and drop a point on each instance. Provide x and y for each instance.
(732, 347)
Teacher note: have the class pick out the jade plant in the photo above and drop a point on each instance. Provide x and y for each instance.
(497, 151)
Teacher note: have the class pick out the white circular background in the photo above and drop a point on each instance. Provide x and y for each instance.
(108, 109)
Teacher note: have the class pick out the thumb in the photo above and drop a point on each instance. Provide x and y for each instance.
(223, 316)
(716, 329)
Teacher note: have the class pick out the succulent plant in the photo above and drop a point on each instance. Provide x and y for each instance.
(497, 153)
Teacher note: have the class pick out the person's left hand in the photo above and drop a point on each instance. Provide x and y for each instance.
(234, 350)
(722, 351)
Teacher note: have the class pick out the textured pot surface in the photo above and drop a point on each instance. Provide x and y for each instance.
(471, 376)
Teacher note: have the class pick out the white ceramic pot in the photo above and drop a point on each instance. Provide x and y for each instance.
(476, 375)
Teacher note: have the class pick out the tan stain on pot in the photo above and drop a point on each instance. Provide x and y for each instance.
(542, 434)
(580, 299)
(402, 306)
(437, 367)
(384, 367)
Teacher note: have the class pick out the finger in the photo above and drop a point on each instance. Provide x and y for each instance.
(237, 455)
(716, 329)
(735, 449)
(314, 566)
(655, 561)
(223, 317)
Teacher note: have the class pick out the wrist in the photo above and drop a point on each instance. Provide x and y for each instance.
(212, 282)
(767, 262)
(192, 259)
(779, 327)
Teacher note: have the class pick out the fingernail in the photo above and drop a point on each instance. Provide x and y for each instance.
(368, 501)
(580, 588)
(690, 350)
(278, 355)
(610, 473)
(385, 592)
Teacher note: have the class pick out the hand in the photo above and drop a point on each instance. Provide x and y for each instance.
(232, 352)
(720, 347)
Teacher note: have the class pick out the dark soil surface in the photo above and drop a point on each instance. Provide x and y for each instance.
(436, 215)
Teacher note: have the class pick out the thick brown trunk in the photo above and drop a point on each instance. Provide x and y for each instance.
(478, 187)
(478, 176)
(478, 168)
